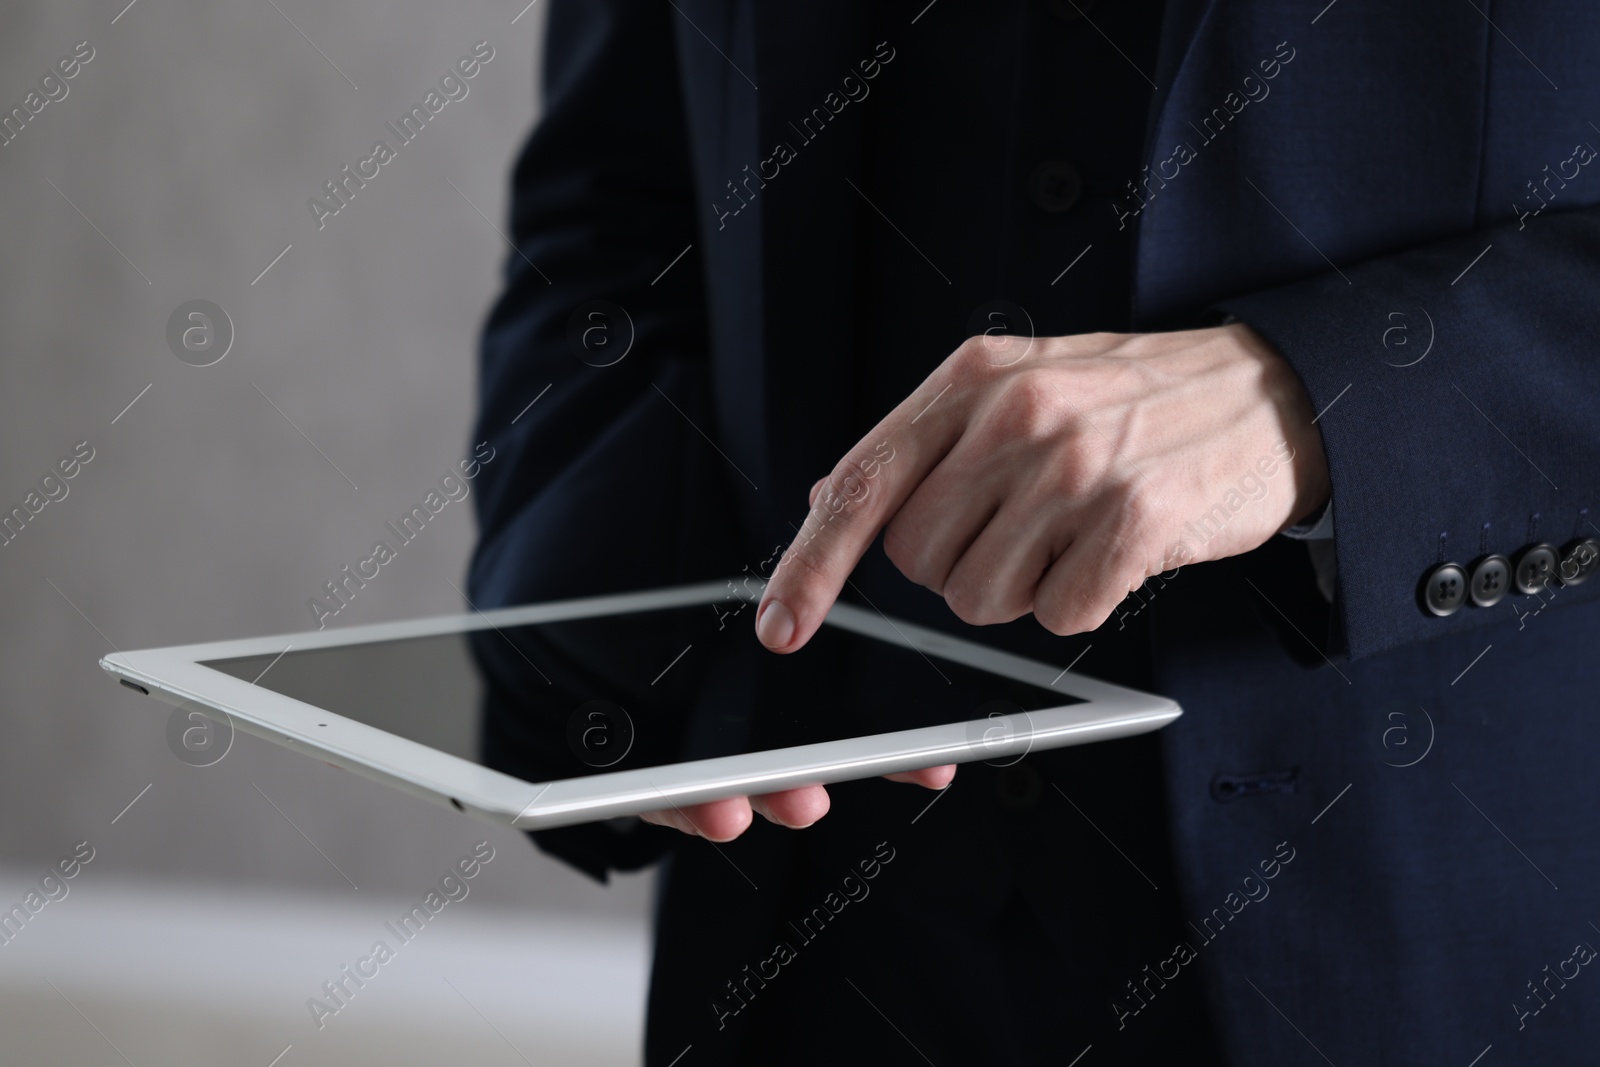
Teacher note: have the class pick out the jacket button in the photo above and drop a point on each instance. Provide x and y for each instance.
(1444, 588)
(1534, 567)
(1579, 559)
(1069, 10)
(1491, 579)
(1054, 186)
(1018, 787)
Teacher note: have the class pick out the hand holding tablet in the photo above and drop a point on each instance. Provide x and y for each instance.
(1052, 485)
(724, 820)
(577, 711)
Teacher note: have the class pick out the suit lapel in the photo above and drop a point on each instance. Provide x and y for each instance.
(1181, 28)
(1180, 25)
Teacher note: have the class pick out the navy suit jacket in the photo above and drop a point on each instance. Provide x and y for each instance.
(1415, 168)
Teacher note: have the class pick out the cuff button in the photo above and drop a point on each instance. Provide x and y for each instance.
(1534, 567)
(1443, 589)
(1579, 559)
(1055, 186)
(1491, 580)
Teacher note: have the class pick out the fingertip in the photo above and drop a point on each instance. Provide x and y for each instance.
(720, 821)
(775, 626)
(810, 805)
(716, 820)
(928, 777)
(794, 808)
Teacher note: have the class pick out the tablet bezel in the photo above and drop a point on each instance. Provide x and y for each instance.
(178, 676)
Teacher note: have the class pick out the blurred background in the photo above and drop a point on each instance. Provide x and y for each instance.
(175, 165)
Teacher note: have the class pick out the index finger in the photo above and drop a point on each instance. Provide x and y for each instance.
(865, 490)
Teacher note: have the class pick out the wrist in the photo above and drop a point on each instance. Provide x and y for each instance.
(1296, 421)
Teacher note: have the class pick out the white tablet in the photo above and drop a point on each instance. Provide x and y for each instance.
(553, 714)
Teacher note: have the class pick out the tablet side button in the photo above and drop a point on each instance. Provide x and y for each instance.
(135, 686)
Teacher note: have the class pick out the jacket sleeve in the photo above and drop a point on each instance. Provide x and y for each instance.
(1479, 435)
(600, 481)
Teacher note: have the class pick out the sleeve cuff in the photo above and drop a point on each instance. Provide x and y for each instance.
(1317, 528)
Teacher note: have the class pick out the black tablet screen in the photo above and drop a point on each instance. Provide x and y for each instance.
(616, 692)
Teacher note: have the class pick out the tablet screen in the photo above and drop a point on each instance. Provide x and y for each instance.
(617, 692)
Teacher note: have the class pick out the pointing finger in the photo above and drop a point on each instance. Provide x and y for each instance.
(853, 503)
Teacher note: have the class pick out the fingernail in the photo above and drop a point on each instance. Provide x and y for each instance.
(775, 626)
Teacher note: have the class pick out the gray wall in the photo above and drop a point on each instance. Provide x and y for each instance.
(188, 147)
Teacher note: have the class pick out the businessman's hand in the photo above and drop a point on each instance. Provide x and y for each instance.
(1054, 475)
(1050, 475)
(724, 820)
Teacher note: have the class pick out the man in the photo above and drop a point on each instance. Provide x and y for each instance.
(1350, 260)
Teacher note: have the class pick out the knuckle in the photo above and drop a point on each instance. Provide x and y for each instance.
(1139, 520)
(1105, 341)
(837, 493)
(851, 482)
(1074, 475)
(1065, 616)
(971, 605)
(906, 555)
(968, 353)
(963, 607)
(1074, 608)
(982, 595)
(1032, 407)
(1138, 512)
(1053, 617)
(972, 359)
